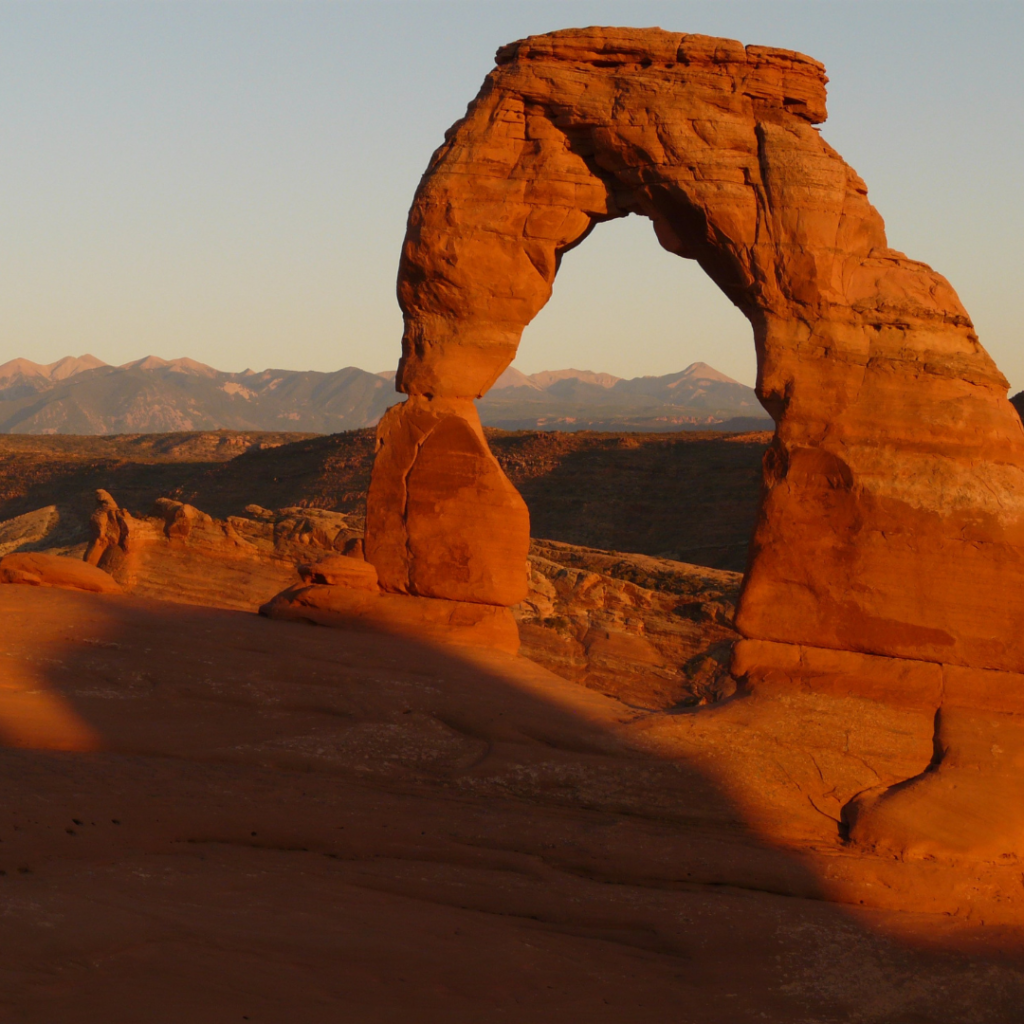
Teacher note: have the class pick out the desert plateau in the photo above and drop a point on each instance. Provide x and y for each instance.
(458, 693)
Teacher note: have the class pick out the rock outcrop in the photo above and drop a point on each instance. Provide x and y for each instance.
(651, 632)
(27, 529)
(684, 496)
(38, 569)
(179, 553)
(351, 603)
(891, 525)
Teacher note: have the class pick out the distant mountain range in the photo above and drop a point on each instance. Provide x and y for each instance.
(84, 395)
(697, 398)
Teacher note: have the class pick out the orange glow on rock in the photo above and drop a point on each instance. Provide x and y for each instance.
(36, 718)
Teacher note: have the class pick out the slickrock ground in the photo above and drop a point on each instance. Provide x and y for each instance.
(267, 821)
(316, 806)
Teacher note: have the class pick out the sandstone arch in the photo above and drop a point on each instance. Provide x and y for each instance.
(892, 516)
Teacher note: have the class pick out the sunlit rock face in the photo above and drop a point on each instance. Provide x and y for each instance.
(892, 514)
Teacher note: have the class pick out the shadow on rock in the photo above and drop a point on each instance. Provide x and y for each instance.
(291, 822)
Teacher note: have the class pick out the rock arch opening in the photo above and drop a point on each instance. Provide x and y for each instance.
(623, 305)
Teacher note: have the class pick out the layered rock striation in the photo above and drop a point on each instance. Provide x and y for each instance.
(652, 632)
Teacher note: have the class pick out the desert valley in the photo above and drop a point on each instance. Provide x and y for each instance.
(455, 693)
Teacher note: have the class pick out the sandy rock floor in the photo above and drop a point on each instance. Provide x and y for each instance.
(207, 816)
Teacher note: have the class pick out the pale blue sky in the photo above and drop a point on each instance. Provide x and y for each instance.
(230, 180)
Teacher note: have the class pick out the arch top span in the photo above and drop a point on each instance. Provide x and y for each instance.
(713, 141)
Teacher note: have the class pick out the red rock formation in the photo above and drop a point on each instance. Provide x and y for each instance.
(341, 570)
(182, 554)
(343, 591)
(443, 520)
(37, 569)
(341, 604)
(892, 518)
(652, 632)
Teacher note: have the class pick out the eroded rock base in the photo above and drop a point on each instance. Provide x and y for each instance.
(912, 759)
(460, 623)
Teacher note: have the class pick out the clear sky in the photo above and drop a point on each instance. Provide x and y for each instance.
(230, 180)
